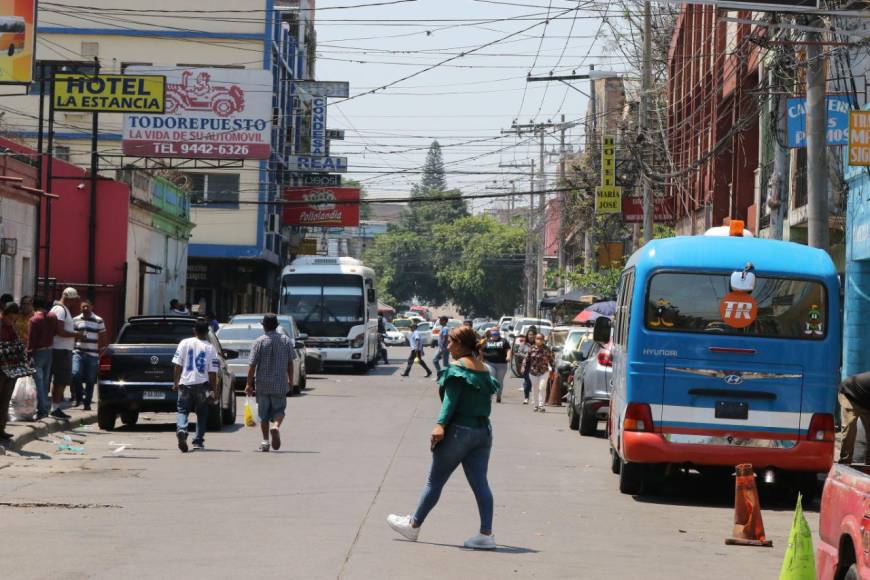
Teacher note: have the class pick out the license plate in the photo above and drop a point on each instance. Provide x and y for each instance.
(732, 410)
(154, 396)
(244, 353)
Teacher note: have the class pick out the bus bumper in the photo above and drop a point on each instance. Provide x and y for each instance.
(640, 447)
(342, 355)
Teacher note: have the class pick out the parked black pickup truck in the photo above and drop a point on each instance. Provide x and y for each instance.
(136, 373)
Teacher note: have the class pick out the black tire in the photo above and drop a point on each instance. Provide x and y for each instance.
(360, 368)
(614, 461)
(852, 573)
(129, 417)
(630, 477)
(214, 422)
(303, 379)
(106, 417)
(228, 416)
(588, 422)
(573, 417)
(806, 484)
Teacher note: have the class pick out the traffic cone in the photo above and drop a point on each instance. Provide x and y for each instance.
(748, 527)
(800, 561)
(554, 398)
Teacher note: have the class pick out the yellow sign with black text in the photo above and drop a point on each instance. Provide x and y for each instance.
(110, 93)
(608, 161)
(608, 199)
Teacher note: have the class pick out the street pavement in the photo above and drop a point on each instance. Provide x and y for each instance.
(356, 449)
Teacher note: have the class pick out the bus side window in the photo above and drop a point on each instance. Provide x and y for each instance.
(620, 300)
(626, 309)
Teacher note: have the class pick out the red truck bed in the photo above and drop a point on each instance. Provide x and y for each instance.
(844, 524)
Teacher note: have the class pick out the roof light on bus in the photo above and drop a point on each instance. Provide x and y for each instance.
(735, 228)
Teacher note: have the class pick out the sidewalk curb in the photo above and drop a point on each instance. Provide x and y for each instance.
(38, 429)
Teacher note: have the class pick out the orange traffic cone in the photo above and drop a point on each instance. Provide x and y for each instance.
(554, 396)
(748, 527)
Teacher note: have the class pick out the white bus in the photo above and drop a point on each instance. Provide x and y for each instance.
(333, 301)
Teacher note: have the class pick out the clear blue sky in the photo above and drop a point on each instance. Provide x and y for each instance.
(471, 98)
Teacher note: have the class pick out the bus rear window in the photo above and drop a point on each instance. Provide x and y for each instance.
(690, 302)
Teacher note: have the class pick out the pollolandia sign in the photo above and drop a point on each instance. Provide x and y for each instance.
(836, 123)
(211, 113)
(321, 206)
(109, 93)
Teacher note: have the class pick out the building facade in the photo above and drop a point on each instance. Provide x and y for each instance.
(19, 207)
(238, 240)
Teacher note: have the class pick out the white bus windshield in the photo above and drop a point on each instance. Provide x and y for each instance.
(325, 305)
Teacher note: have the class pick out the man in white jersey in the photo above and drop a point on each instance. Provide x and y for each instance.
(196, 366)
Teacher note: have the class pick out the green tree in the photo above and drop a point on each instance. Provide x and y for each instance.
(365, 211)
(445, 205)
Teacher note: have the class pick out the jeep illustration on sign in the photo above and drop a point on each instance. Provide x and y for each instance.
(211, 113)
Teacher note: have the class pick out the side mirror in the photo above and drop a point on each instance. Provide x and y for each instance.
(231, 354)
(371, 295)
(601, 333)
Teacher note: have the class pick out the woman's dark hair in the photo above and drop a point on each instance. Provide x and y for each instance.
(466, 337)
(11, 308)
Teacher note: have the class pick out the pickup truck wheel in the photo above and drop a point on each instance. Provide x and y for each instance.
(614, 461)
(214, 421)
(303, 379)
(229, 415)
(130, 417)
(630, 477)
(106, 417)
(852, 573)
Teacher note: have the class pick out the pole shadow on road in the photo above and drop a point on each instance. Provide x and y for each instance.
(501, 549)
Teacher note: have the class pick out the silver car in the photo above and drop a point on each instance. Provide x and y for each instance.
(240, 337)
(589, 393)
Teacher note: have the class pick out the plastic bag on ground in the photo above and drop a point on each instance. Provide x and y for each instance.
(23, 403)
(249, 413)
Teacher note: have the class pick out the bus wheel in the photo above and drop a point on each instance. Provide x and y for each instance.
(806, 484)
(614, 461)
(361, 368)
(630, 477)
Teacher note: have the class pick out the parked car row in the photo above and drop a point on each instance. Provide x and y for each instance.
(136, 372)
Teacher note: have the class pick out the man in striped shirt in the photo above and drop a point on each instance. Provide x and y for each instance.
(86, 357)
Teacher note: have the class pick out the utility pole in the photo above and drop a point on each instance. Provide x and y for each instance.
(777, 192)
(561, 237)
(529, 263)
(643, 122)
(817, 154)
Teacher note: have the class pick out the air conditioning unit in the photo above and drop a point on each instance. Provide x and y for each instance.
(8, 246)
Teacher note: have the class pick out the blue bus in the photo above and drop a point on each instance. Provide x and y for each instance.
(726, 350)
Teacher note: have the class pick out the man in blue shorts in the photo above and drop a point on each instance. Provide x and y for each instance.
(271, 371)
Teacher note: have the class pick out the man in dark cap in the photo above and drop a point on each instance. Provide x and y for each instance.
(855, 402)
(271, 371)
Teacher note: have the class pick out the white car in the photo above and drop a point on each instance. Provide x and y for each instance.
(393, 337)
(240, 337)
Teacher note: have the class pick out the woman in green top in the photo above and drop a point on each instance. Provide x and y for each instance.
(462, 435)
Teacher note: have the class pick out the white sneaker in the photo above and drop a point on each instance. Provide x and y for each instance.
(525, 401)
(481, 542)
(402, 524)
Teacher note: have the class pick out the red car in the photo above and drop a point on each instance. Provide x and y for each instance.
(844, 525)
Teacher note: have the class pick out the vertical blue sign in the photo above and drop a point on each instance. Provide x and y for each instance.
(838, 107)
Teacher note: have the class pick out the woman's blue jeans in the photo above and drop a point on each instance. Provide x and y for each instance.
(469, 446)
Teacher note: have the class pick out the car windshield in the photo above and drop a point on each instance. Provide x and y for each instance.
(423, 327)
(557, 338)
(402, 324)
(702, 302)
(573, 340)
(390, 327)
(158, 332)
(285, 321)
(240, 332)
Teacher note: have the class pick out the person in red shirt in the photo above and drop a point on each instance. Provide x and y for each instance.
(39, 340)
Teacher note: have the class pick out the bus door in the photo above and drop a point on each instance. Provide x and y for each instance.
(739, 359)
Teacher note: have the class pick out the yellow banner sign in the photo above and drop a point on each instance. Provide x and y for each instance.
(110, 93)
(608, 161)
(859, 138)
(608, 199)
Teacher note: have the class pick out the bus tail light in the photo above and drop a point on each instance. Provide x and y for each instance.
(105, 363)
(821, 427)
(604, 358)
(638, 417)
